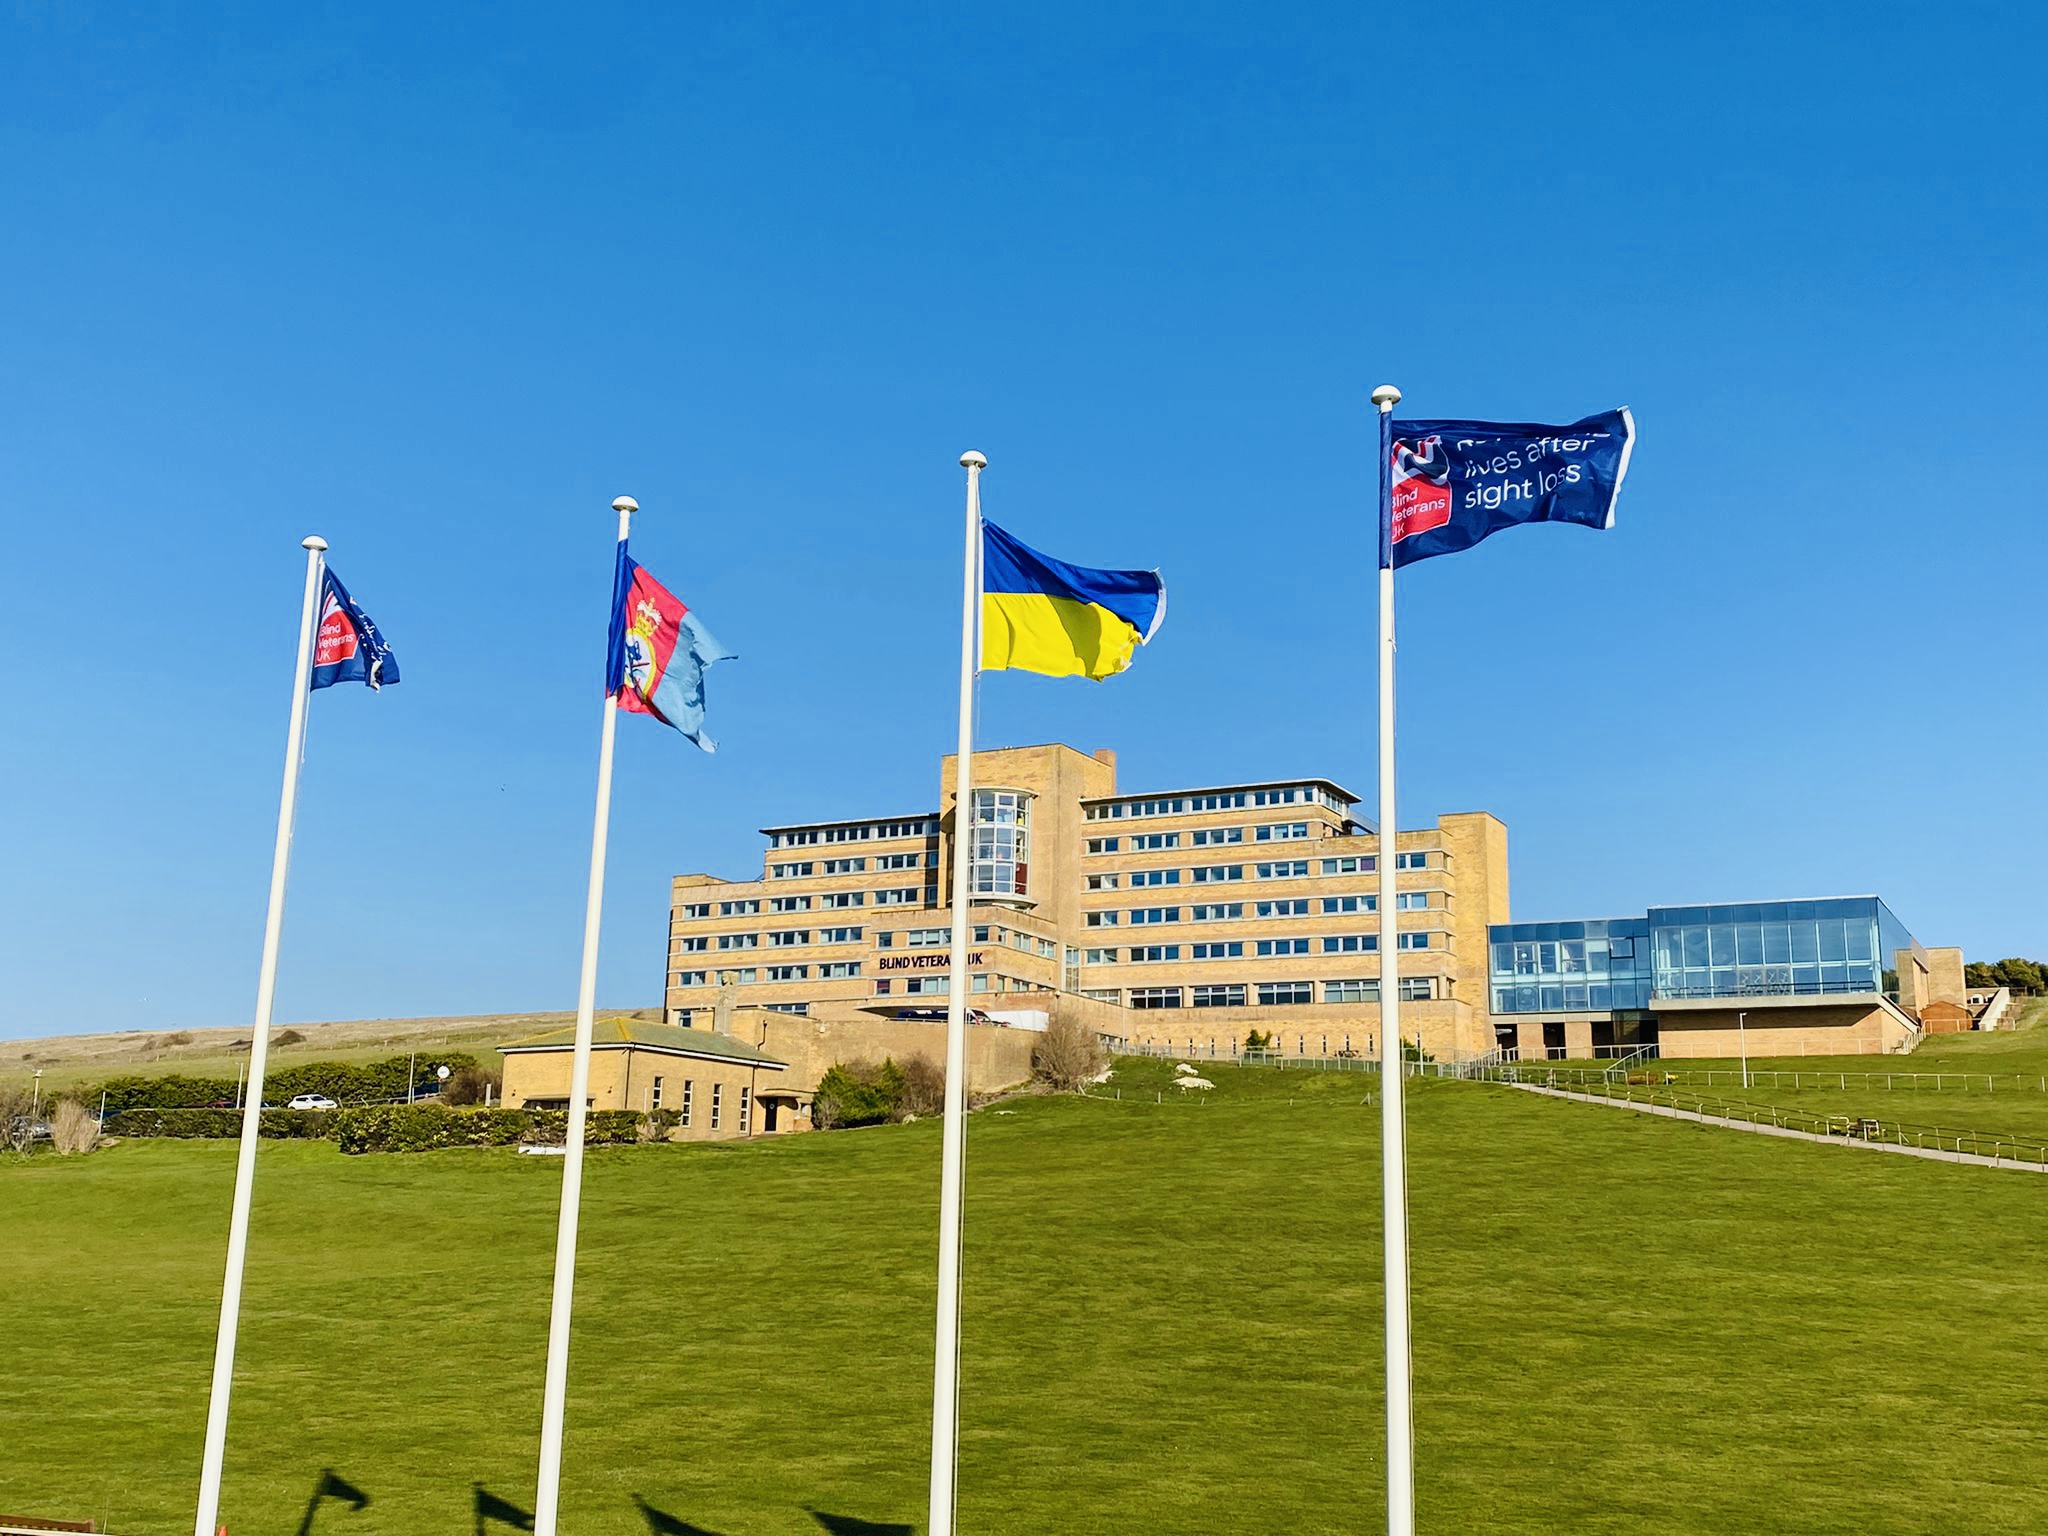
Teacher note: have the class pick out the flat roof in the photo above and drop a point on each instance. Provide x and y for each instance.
(616, 1034)
(1224, 789)
(846, 821)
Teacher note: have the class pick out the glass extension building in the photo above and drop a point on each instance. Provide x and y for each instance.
(1808, 977)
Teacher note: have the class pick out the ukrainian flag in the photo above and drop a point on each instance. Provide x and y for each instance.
(1039, 614)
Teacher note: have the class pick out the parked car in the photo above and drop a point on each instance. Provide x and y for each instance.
(312, 1101)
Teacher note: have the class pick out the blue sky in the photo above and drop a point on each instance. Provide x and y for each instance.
(438, 283)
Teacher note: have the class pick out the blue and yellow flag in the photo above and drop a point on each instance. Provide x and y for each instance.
(1039, 614)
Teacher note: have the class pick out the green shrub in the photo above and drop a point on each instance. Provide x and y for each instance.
(375, 1082)
(221, 1124)
(429, 1127)
(857, 1093)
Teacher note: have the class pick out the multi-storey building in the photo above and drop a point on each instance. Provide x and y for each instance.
(1191, 918)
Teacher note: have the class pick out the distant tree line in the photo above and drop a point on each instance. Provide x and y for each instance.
(2020, 975)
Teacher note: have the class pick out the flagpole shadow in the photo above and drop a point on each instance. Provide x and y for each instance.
(661, 1523)
(331, 1486)
(848, 1525)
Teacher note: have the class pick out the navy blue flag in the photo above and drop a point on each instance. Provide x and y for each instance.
(349, 647)
(1445, 485)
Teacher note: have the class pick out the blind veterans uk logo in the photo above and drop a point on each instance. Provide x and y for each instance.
(1457, 482)
(349, 648)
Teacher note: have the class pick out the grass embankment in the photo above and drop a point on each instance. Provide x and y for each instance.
(1622, 1325)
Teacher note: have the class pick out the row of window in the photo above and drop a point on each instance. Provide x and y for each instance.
(1234, 949)
(1230, 800)
(1221, 911)
(1352, 864)
(686, 1108)
(828, 901)
(804, 869)
(873, 831)
(831, 970)
(1268, 994)
(913, 938)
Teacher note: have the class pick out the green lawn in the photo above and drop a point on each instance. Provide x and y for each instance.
(1623, 1325)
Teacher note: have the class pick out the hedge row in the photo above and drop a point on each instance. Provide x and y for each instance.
(358, 1082)
(387, 1127)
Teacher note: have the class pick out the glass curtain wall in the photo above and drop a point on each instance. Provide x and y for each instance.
(1002, 843)
(1597, 965)
(1767, 949)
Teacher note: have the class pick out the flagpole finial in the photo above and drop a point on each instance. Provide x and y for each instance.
(625, 504)
(312, 541)
(972, 460)
(1386, 397)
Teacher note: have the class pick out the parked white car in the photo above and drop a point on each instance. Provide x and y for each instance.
(312, 1101)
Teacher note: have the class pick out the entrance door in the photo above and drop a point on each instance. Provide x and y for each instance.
(774, 1111)
(1506, 1037)
(1553, 1041)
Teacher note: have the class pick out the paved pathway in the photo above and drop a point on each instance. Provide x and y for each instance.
(1670, 1112)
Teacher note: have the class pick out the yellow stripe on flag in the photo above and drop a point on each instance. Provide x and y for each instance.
(1058, 636)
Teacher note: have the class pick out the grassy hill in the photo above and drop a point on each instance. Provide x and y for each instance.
(66, 1060)
(1623, 1325)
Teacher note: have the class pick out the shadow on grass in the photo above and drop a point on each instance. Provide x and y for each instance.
(490, 1507)
(664, 1524)
(847, 1525)
(331, 1487)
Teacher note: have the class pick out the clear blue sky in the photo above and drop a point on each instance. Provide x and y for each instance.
(439, 282)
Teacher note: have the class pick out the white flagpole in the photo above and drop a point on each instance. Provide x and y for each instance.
(259, 1049)
(1393, 1127)
(546, 1497)
(953, 1158)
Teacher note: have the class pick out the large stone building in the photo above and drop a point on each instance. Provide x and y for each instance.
(1181, 918)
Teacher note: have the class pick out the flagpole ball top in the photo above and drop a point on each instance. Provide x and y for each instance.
(972, 460)
(312, 541)
(625, 504)
(1386, 397)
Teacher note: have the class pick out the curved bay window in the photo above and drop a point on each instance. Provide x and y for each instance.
(1002, 843)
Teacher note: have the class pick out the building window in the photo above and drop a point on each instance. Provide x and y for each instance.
(1276, 993)
(1352, 944)
(1155, 877)
(1332, 904)
(1283, 947)
(789, 871)
(1216, 912)
(1351, 991)
(1098, 919)
(846, 866)
(1411, 861)
(689, 978)
(654, 1095)
(693, 946)
(1155, 997)
(928, 986)
(787, 1007)
(843, 899)
(1411, 901)
(1001, 843)
(1215, 837)
(1143, 915)
(1282, 869)
(685, 1106)
(898, 898)
(1292, 906)
(882, 987)
(1229, 951)
(738, 908)
(1281, 832)
(1418, 989)
(738, 940)
(1220, 996)
(717, 1093)
(1149, 952)
(839, 970)
(789, 904)
(746, 1109)
(900, 861)
(697, 909)
(790, 937)
(1102, 994)
(1420, 939)
(839, 935)
(1353, 864)
(1153, 842)
(1211, 874)
(788, 972)
(928, 938)
(1102, 845)
(1100, 956)
(1102, 882)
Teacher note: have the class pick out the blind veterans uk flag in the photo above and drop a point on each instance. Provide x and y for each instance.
(659, 650)
(349, 647)
(1457, 482)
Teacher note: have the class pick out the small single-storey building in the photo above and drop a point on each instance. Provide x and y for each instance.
(719, 1087)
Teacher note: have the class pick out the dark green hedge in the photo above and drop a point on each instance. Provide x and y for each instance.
(277, 1124)
(387, 1127)
(426, 1127)
(373, 1082)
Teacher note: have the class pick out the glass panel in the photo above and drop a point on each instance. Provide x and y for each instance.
(1832, 945)
(1695, 946)
(1805, 941)
(1749, 944)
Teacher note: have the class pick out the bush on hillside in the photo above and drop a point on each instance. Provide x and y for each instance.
(472, 1085)
(1068, 1054)
(856, 1093)
(17, 1117)
(430, 1127)
(221, 1124)
(375, 1082)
